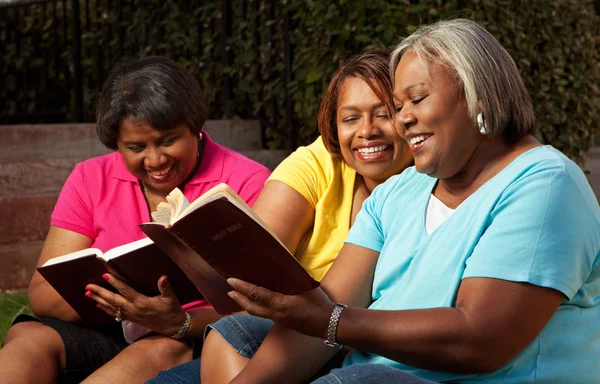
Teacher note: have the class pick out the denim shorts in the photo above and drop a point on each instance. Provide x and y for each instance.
(244, 333)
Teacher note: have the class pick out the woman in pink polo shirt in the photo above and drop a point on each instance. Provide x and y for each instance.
(151, 111)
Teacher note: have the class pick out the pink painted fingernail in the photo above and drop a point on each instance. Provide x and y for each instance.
(165, 282)
(88, 288)
(105, 276)
(88, 294)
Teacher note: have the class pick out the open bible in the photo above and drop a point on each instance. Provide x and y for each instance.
(139, 264)
(218, 236)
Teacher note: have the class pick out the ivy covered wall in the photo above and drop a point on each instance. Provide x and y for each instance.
(271, 60)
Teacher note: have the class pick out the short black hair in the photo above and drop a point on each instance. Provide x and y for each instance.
(154, 90)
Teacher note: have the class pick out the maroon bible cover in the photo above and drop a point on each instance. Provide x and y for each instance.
(223, 238)
(140, 268)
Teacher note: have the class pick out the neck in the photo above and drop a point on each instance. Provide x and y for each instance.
(152, 198)
(201, 144)
(490, 157)
(368, 184)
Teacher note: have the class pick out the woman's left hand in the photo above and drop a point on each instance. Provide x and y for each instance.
(161, 313)
(307, 313)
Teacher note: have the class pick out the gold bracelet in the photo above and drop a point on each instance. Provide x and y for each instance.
(186, 326)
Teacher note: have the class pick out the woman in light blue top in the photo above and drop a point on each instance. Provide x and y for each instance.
(479, 264)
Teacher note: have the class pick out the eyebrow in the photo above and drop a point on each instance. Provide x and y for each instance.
(412, 86)
(353, 108)
(407, 89)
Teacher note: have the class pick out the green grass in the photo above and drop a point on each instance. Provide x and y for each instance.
(12, 304)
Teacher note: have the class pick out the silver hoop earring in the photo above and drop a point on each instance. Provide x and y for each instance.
(481, 124)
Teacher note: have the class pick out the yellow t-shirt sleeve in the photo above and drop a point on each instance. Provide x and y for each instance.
(306, 170)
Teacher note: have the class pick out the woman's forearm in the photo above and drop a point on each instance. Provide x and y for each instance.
(437, 339)
(45, 301)
(492, 321)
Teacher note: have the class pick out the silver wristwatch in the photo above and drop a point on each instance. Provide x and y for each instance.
(332, 327)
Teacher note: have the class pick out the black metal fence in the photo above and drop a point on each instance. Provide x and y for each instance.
(55, 55)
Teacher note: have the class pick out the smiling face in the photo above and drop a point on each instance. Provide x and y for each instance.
(367, 139)
(162, 160)
(432, 115)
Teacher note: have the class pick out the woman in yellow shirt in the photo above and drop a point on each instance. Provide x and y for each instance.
(311, 199)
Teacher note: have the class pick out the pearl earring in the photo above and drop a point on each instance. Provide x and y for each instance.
(481, 124)
(200, 136)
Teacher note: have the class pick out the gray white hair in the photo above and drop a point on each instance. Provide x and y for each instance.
(485, 70)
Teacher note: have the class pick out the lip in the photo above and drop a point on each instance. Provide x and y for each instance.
(159, 175)
(373, 156)
(417, 147)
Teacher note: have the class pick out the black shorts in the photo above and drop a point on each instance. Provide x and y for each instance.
(87, 348)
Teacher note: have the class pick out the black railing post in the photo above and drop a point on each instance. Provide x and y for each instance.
(272, 56)
(292, 140)
(78, 80)
(227, 58)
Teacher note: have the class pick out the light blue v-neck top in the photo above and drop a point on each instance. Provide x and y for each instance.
(537, 221)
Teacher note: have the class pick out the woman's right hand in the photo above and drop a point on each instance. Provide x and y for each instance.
(43, 299)
(162, 313)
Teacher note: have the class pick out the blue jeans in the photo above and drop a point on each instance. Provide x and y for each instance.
(181, 374)
(369, 374)
(245, 334)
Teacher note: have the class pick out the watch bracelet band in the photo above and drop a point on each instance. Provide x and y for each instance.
(334, 319)
(183, 330)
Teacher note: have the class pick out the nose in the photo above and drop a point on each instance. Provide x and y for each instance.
(368, 128)
(154, 158)
(404, 121)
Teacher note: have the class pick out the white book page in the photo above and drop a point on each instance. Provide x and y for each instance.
(167, 212)
(73, 256)
(123, 249)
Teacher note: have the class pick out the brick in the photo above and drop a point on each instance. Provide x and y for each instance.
(35, 177)
(26, 218)
(41, 142)
(17, 263)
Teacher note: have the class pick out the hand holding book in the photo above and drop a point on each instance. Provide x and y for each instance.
(162, 313)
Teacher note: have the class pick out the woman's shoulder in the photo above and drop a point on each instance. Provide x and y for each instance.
(409, 178)
(548, 162)
(408, 187)
(317, 156)
(111, 164)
